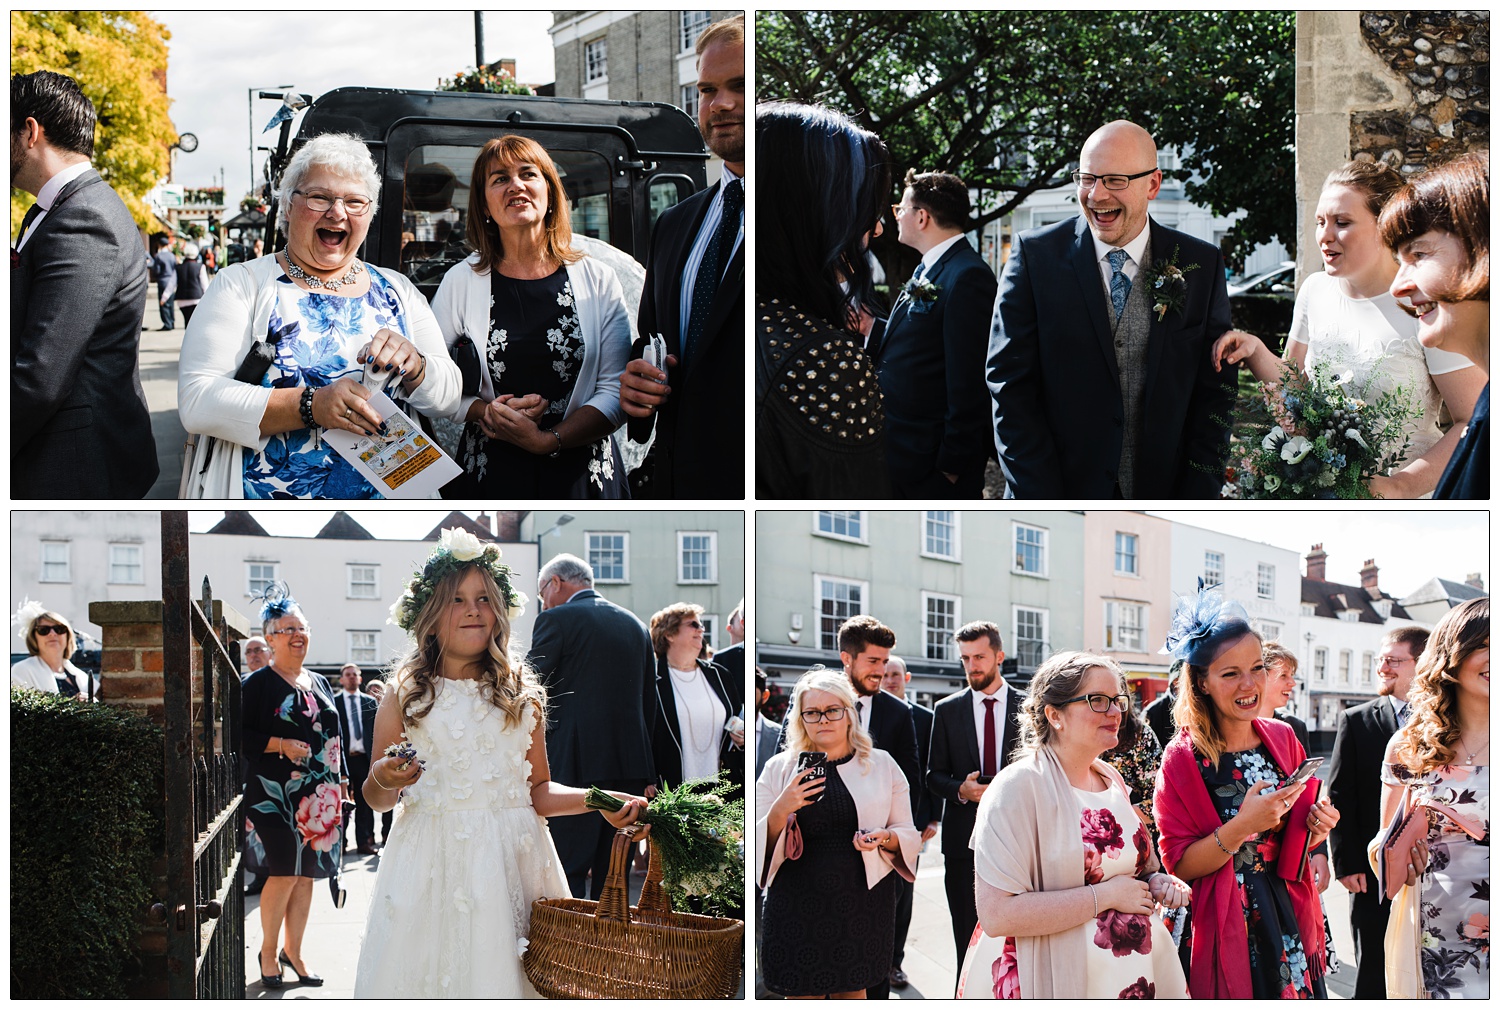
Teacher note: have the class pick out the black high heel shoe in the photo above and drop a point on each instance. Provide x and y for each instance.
(313, 980)
(269, 981)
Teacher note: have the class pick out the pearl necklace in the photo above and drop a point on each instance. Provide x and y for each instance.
(692, 733)
(297, 273)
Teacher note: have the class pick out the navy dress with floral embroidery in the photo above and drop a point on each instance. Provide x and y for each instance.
(535, 345)
(320, 336)
(296, 809)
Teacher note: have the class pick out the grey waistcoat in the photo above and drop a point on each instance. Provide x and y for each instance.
(1131, 332)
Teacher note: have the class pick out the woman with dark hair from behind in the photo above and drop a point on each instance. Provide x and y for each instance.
(819, 423)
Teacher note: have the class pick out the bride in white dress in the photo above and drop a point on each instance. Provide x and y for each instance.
(1347, 317)
(469, 850)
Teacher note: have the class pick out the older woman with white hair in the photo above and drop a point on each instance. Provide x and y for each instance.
(834, 822)
(276, 351)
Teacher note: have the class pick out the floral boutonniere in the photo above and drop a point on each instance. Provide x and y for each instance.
(921, 291)
(1168, 285)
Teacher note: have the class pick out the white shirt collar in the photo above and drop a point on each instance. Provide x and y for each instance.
(999, 695)
(54, 185)
(1135, 248)
(931, 256)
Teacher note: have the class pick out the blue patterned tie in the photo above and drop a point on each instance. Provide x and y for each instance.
(1119, 284)
(712, 266)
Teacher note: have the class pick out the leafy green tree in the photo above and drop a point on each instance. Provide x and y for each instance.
(1007, 101)
(119, 59)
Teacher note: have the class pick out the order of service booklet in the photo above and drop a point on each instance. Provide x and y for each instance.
(402, 463)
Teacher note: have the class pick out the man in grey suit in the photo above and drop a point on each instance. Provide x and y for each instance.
(596, 660)
(80, 427)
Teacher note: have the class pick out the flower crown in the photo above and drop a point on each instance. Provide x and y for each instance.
(457, 548)
(1202, 624)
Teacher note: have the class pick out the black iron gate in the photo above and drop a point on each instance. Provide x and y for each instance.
(204, 907)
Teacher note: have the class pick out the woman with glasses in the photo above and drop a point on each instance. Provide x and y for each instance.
(828, 844)
(296, 787)
(1066, 880)
(50, 640)
(276, 351)
(1234, 823)
(695, 698)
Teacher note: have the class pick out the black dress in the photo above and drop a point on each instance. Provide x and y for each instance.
(535, 345)
(296, 810)
(824, 931)
(1468, 472)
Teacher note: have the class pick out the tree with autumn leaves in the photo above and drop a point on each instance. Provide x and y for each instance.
(119, 59)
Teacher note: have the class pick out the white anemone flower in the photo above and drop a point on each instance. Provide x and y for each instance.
(1272, 482)
(1296, 449)
(1273, 437)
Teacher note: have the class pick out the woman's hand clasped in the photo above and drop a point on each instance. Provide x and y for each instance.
(1125, 893)
(505, 421)
(343, 406)
(801, 791)
(388, 773)
(869, 841)
(1168, 891)
(295, 751)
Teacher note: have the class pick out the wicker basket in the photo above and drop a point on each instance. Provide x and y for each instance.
(606, 949)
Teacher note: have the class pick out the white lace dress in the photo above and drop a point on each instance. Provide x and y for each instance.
(467, 856)
(1375, 339)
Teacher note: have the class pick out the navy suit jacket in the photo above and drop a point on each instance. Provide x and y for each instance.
(1059, 413)
(1354, 782)
(368, 706)
(930, 360)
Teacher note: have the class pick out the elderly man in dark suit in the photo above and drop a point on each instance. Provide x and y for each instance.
(694, 297)
(973, 735)
(931, 357)
(80, 427)
(1099, 349)
(1354, 788)
(597, 663)
(356, 731)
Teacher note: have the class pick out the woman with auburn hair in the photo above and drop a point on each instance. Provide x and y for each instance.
(541, 333)
(469, 851)
(828, 845)
(695, 698)
(1066, 879)
(1226, 807)
(1439, 228)
(1440, 758)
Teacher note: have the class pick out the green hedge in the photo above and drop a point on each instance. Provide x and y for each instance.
(85, 823)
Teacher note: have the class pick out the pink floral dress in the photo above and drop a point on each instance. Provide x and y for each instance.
(1129, 956)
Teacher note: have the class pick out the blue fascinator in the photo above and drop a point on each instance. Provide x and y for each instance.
(1203, 624)
(275, 601)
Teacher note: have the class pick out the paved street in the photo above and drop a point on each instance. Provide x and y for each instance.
(159, 352)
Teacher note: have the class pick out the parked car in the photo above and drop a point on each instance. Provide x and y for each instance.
(1262, 304)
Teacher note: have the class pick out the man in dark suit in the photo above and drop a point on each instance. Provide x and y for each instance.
(973, 735)
(694, 297)
(732, 656)
(1158, 714)
(596, 661)
(1354, 788)
(1102, 382)
(930, 359)
(80, 427)
(927, 807)
(356, 731)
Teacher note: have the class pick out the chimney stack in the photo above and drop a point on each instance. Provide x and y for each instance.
(1317, 563)
(1369, 578)
(1475, 581)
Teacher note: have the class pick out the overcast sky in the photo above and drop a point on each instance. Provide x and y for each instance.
(215, 58)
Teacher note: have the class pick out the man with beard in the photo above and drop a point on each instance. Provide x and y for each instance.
(1354, 788)
(694, 297)
(973, 734)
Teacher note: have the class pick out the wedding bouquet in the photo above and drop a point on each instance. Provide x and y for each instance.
(1326, 443)
(700, 834)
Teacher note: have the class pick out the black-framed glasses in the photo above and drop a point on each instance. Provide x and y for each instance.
(1100, 702)
(1086, 181)
(827, 714)
(322, 203)
(51, 629)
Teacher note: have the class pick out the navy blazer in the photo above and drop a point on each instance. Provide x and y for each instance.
(368, 706)
(1354, 782)
(930, 360)
(1059, 413)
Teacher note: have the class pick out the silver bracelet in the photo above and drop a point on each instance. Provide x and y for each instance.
(1095, 895)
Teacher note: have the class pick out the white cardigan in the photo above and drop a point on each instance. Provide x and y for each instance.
(462, 307)
(236, 311)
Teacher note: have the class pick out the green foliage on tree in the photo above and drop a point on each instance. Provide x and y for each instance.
(1007, 100)
(485, 79)
(119, 59)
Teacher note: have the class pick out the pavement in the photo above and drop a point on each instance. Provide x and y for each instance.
(159, 353)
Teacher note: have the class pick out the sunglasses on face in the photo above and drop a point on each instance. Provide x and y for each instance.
(51, 629)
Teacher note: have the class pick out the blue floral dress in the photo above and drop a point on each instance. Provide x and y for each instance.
(320, 335)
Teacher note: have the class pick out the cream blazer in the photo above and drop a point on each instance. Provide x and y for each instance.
(881, 796)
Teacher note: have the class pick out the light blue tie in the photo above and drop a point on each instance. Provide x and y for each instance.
(1119, 284)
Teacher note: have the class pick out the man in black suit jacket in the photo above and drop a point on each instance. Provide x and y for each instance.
(1354, 789)
(80, 427)
(957, 761)
(356, 734)
(1158, 714)
(700, 312)
(927, 807)
(930, 357)
(600, 672)
(1102, 382)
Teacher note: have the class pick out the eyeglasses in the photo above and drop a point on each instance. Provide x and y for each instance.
(827, 715)
(1100, 702)
(1394, 660)
(51, 629)
(321, 203)
(900, 210)
(1086, 181)
(290, 631)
